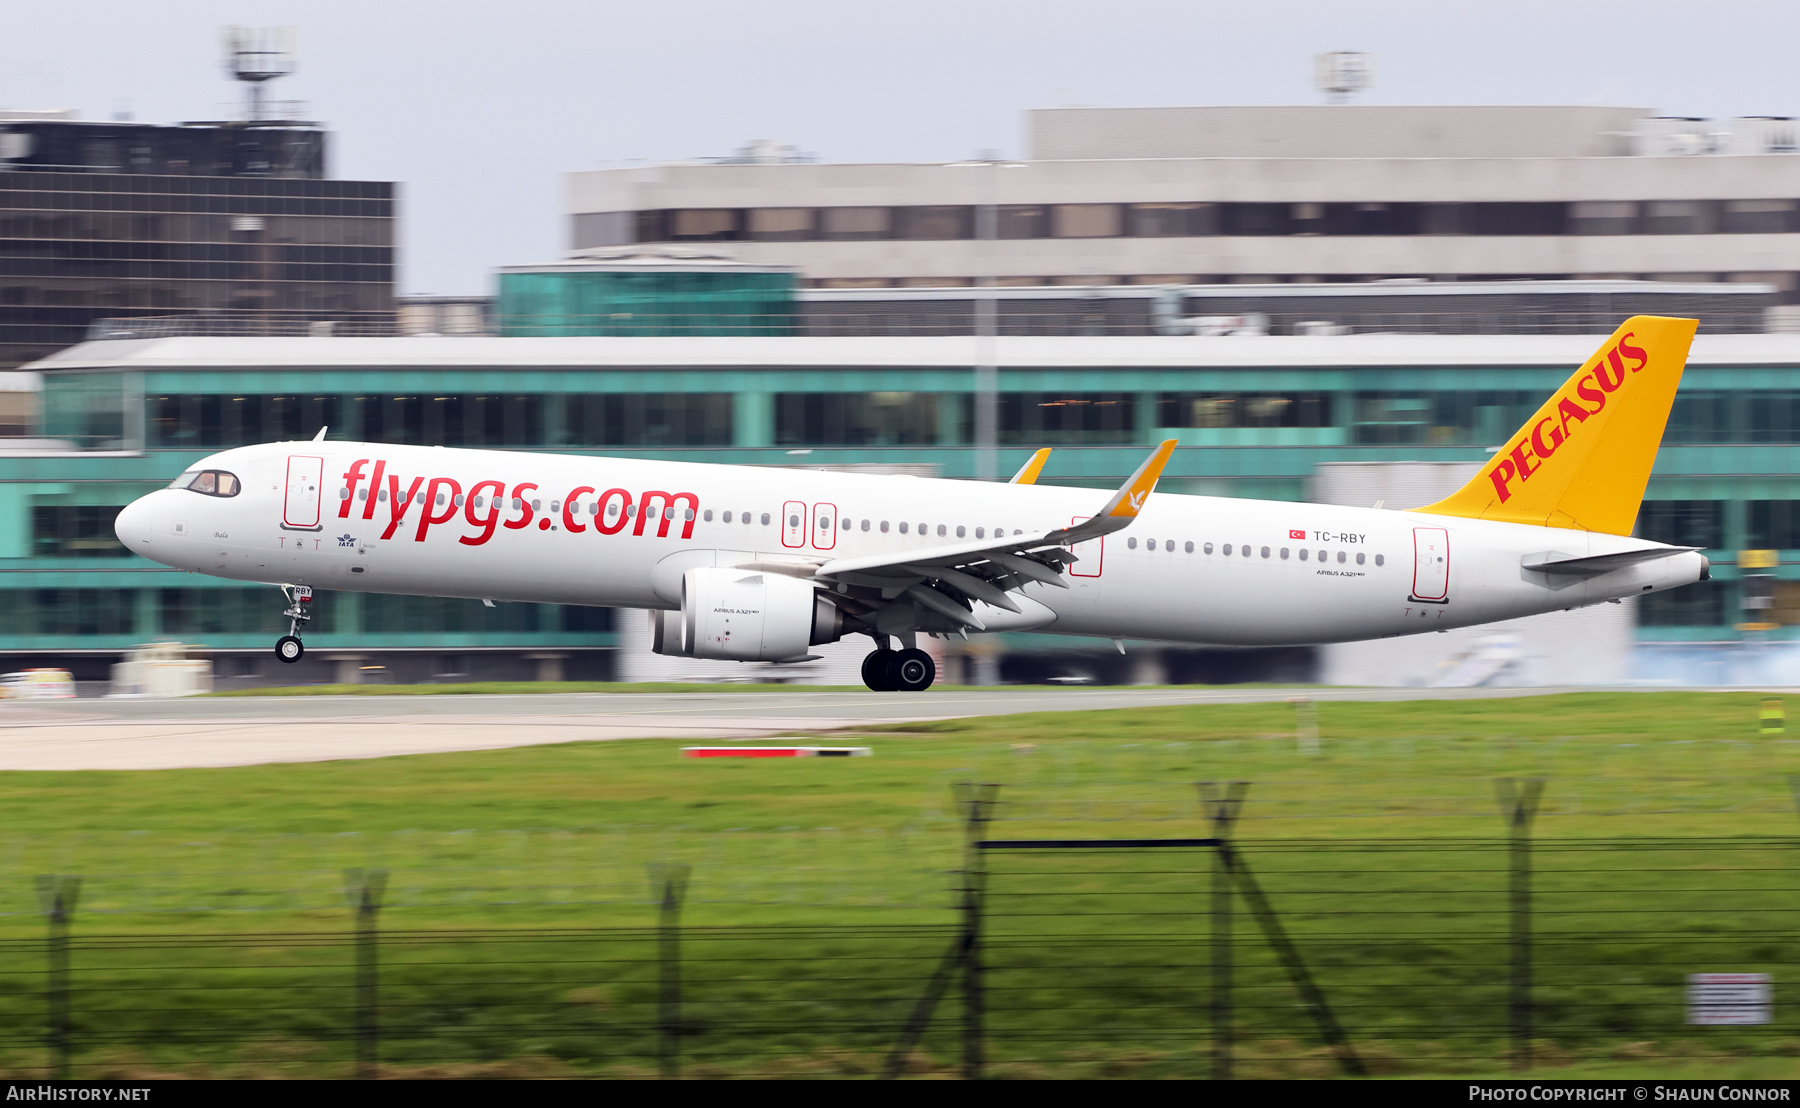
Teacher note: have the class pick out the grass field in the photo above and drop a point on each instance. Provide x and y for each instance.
(822, 892)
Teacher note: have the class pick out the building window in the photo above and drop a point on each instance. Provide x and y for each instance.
(704, 224)
(1022, 221)
(1680, 217)
(1603, 217)
(1254, 219)
(1173, 220)
(1683, 522)
(1085, 221)
(1760, 217)
(855, 224)
(1702, 604)
(1770, 525)
(781, 224)
(1045, 419)
(69, 611)
(1298, 409)
(234, 611)
(75, 531)
(647, 419)
(424, 615)
(856, 419)
(936, 222)
(603, 229)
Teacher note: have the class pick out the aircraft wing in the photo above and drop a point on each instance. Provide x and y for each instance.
(948, 579)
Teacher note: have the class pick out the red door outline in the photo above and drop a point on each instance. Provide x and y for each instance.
(300, 510)
(793, 534)
(824, 526)
(1429, 582)
(1092, 554)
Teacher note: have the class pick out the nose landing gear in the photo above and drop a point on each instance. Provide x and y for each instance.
(288, 647)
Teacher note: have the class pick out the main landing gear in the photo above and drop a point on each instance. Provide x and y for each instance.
(908, 670)
(288, 647)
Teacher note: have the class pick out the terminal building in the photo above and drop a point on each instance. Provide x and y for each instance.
(1259, 416)
(1202, 195)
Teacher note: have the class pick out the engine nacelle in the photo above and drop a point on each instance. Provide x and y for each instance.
(745, 616)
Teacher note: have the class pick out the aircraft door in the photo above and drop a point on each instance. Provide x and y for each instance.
(1431, 564)
(304, 477)
(793, 524)
(1092, 554)
(824, 528)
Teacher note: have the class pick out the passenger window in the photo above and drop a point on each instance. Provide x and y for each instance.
(343, 494)
(959, 531)
(865, 525)
(903, 527)
(1284, 553)
(1228, 550)
(1303, 555)
(363, 494)
(726, 517)
(848, 524)
(884, 526)
(1265, 551)
(940, 530)
(1379, 560)
(1359, 558)
(1340, 557)
(1132, 543)
(707, 516)
(1324, 554)
(765, 519)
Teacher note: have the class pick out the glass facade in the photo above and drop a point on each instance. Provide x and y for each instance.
(731, 301)
(1728, 477)
(76, 247)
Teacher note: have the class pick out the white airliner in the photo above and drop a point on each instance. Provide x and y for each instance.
(758, 564)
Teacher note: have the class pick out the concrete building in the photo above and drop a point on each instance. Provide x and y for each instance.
(1280, 194)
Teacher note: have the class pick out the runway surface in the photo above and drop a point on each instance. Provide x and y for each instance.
(238, 731)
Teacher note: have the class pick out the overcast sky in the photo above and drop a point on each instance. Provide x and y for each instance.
(478, 109)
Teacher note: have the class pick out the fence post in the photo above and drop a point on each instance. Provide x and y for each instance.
(57, 896)
(1222, 808)
(1519, 802)
(977, 803)
(669, 884)
(364, 889)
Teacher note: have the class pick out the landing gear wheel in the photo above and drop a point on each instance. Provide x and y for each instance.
(912, 671)
(875, 671)
(289, 649)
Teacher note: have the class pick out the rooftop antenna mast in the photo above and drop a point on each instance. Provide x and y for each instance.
(1342, 74)
(255, 56)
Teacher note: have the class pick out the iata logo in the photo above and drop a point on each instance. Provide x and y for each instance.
(1550, 432)
(346, 540)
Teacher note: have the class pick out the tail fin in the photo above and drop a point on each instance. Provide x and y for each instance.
(1583, 460)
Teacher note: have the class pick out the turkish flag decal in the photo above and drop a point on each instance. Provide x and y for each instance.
(1296, 534)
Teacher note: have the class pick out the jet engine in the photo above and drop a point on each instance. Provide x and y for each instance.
(745, 616)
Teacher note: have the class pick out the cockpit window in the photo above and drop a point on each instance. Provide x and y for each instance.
(213, 482)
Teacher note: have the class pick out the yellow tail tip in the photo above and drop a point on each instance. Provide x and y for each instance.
(1583, 459)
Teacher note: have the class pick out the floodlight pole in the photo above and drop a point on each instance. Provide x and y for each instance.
(57, 896)
(987, 369)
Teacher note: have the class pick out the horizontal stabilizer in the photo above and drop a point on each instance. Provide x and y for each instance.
(1555, 562)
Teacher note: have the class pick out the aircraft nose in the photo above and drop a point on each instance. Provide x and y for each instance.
(133, 525)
